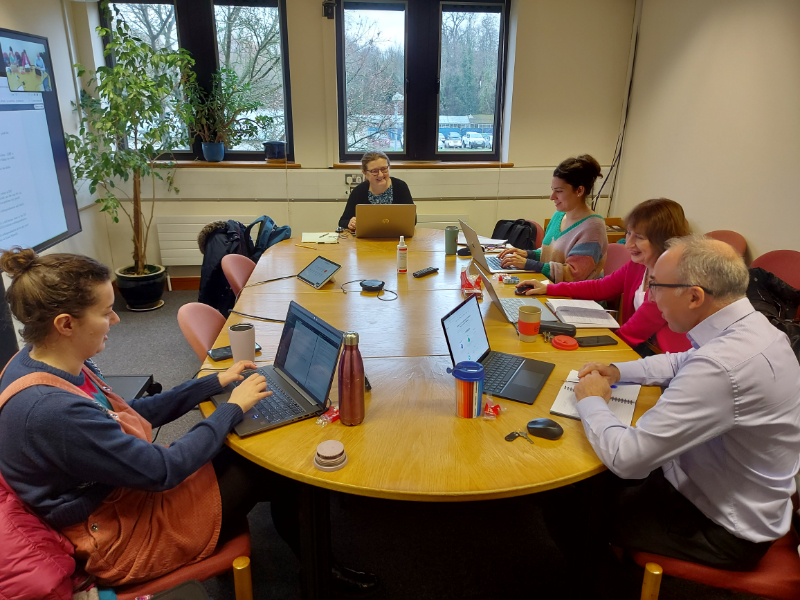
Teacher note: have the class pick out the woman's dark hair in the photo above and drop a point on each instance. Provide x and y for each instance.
(659, 220)
(373, 155)
(581, 171)
(43, 287)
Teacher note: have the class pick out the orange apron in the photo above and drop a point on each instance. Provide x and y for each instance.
(134, 535)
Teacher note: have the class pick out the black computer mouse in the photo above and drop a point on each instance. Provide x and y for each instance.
(545, 428)
(520, 291)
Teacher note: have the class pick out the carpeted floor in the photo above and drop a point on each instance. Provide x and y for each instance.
(442, 551)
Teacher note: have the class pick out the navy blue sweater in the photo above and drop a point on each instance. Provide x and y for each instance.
(62, 454)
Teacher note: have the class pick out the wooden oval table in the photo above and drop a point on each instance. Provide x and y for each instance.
(411, 445)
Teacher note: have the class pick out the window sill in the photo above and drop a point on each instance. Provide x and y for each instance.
(435, 164)
(234, 164)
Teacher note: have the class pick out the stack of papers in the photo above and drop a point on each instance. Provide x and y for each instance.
(623, 400)
(582, 313)
(483, 241)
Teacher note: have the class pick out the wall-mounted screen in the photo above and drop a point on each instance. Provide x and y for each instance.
(37, 200)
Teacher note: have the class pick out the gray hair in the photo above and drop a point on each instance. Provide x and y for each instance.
(712, 265)
(373, 155)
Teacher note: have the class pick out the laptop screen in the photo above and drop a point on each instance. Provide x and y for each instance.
(463, 328)
(308, 352)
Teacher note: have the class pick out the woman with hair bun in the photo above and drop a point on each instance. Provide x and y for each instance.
(83, 459)
(575, 243)
(648, 227)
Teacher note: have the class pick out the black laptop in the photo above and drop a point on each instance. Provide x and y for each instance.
(507, 376)
(300, 378)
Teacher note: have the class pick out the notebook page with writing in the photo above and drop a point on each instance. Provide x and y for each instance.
(582, 313)
(623, 400)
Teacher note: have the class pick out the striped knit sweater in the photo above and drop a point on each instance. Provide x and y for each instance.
(575, 254)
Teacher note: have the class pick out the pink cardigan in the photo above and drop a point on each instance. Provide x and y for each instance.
(637, 326)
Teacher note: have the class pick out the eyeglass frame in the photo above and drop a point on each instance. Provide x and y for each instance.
(653, 284)
(374, 172)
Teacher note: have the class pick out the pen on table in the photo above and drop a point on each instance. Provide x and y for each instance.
(302, 246)
(568, 380)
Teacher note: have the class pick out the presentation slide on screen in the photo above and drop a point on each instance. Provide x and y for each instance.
(31, 210)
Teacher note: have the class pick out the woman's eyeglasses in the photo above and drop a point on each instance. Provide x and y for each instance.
(383, 170)
(653, 285)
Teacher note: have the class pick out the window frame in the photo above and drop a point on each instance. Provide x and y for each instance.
(195, 24)
(423, 35)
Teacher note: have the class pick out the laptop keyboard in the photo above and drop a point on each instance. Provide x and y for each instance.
(499, 369)
(511, 306)
(494, 264)
(277, 407)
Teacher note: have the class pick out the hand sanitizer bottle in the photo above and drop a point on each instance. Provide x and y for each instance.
(402, 256)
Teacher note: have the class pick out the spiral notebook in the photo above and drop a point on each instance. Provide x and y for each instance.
(623, 400)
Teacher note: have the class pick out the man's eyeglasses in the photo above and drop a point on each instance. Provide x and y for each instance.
(653, 285)
(383, 170)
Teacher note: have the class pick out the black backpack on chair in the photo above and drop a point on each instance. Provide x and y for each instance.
(520, 233)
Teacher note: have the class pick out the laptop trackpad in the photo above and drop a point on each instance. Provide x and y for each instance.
(525, 385)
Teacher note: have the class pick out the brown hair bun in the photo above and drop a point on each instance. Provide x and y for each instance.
(580, 171)
(16, 260)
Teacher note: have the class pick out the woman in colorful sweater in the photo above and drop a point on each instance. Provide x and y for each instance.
(83, 459)
(575, 243)
(649, 225)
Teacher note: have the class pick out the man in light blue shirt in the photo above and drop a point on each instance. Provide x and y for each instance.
(715, 458)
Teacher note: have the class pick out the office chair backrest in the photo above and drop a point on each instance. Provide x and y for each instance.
(730, 237)
(617, 256)
(237, 269)
(200, 325)
(783, 263)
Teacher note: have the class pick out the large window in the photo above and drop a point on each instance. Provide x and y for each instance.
(246, 36)
(420, 79)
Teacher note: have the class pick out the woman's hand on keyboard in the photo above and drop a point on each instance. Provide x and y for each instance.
(235, 372)
(513, 258)
(249, 392)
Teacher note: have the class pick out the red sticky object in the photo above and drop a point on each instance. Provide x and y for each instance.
(565, 342)
(331, 415)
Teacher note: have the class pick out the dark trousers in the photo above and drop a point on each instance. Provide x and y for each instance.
(645, 514)
(243, 484)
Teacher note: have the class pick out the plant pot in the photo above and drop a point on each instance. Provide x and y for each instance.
(213, 151)
(275, 151)
(142, 292)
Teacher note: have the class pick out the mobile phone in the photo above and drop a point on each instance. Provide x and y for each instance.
(596, 340)
(224, 353)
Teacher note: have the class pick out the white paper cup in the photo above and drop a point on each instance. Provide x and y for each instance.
(243, 341)
(529, 319)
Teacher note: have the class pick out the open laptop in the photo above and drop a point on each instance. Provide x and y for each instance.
(489, 263)
(510, 306)
(507, 376)
(300, 378)
(385, 220)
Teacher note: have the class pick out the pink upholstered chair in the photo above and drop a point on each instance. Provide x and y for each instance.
(777, 576)
(783, 263)
(731, 237)
(617, 256)
(235, 553)
(200, 325)
(237, 269)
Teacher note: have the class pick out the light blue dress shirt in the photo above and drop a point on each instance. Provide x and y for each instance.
(726, 431)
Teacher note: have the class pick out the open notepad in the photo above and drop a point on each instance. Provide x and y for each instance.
(582, 313)
(623, 400)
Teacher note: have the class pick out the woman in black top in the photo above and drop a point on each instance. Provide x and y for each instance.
(378, 188)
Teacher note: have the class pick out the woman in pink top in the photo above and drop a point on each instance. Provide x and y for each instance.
(649, 225)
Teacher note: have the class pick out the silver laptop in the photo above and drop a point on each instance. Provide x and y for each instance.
(510, 306)
(489, 263)
(506, 375)
(300, 378)
(385, 220)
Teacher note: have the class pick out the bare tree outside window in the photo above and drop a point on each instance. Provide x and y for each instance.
(374, 56)
(152, 23)
(468, 74)
(249, 43)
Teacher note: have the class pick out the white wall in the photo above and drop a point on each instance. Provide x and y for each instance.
(714, 119)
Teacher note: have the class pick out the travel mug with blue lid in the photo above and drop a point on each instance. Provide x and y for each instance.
(469, 388)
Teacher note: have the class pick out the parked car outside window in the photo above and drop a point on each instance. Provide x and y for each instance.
(453, 140)
(473, 139)
(441, 141)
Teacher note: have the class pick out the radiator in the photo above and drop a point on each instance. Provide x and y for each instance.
(177, 237)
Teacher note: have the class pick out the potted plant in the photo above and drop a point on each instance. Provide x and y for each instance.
(130, 122)
(222, 117)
